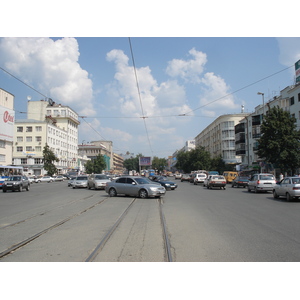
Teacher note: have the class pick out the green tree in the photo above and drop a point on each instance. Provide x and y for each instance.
(48, 159)
(159, 163)
(279, 143)
(200, 159)
(132, 163)
(96, 165)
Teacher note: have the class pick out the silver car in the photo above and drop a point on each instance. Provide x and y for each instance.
(289, 188)
(79, 182)
(262, 182)
(97, 181)
(134, 186)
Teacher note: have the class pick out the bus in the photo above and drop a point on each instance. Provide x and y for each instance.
(6, 171)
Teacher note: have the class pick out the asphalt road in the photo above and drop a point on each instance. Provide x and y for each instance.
(66, 225)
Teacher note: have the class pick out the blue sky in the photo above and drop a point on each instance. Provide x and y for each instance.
(203, 76)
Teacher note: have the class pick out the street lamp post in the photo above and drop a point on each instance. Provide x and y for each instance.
(263, 99)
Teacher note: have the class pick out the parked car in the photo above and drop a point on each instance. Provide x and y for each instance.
(169, 185)
(97, 181)
(262, 182)
(185, 177)
(178, 176)
(16, 183)
(59, 178)
(79, 182)
(136, 186)
(289, 188)
(199, 178)
(206, 180)
(217, 181)
(240, 181)
(45, 179)
(32, 179)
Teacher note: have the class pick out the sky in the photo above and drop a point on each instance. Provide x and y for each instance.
(148, 94)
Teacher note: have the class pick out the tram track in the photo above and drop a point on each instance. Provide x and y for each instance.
(35, 236)
(107, 235)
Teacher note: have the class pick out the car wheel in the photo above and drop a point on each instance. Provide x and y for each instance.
(143, 194)
(20, 188)
(27, 188)
(288, 197)
(4, 190)
(275, 196)
(249, 190)
(112, 192)
(255, 190)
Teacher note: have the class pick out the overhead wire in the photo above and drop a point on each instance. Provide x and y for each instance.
(139, 94)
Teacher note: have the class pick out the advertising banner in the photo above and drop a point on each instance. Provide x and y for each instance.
(7, 120)
(145, 161)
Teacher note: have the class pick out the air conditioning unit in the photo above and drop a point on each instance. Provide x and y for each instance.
(16, 143)
(40, 143)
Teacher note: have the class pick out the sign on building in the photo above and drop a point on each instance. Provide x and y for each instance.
(7, 120)
(297, 70)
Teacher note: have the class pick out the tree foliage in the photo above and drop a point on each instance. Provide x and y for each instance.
(96, 165)
(159, 164)
(132, 163)
(279, 143)
(48, 159)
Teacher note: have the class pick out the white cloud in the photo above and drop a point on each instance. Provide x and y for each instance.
(52, 66)
(215, 96)
(189, 70)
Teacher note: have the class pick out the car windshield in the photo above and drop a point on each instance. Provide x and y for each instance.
(161, 178)
(81, 178)
(143, 180)
(266, 177)
(101, 177)
(296, 180)
(14, 178)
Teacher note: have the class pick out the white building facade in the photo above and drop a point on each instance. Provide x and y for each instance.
(218, 138)
(47, 123)
(7, 119)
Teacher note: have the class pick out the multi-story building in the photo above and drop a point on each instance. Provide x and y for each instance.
(218, 138)
(94, 148)
(7, 119)
(247, 132)
(47, 123)
(118, 164)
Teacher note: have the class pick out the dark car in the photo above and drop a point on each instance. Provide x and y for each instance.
(240, 181)
(16, 183)
(169, 185)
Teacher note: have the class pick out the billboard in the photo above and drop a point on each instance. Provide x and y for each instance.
(297, 70)
(7, 120)
(145, 161)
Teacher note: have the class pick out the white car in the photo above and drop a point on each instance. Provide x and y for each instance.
(199, 178)
(46, 179)
(206, 180)
(263, 182)
(178, 176)
(79, 182)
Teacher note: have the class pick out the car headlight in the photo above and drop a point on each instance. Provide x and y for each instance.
(167, 184)
(154, 189)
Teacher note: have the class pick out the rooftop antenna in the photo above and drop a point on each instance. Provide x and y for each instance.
(243, 108)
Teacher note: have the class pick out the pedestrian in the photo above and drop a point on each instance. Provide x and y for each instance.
(280, 176)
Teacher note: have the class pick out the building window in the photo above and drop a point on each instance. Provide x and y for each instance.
(2, 144)
(38, 148)
(23, 161)
(29, 148)
(298, 97)
(38, 161)
(19, 149)
(19, 139)
(38, 128)
(2, 157)
(28, 139)
(38, 138)
(292, 101)
(19, 129)
(28, 128)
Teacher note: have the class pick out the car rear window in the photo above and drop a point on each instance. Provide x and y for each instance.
(267, 177)
(101, 177)
(82, 178)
